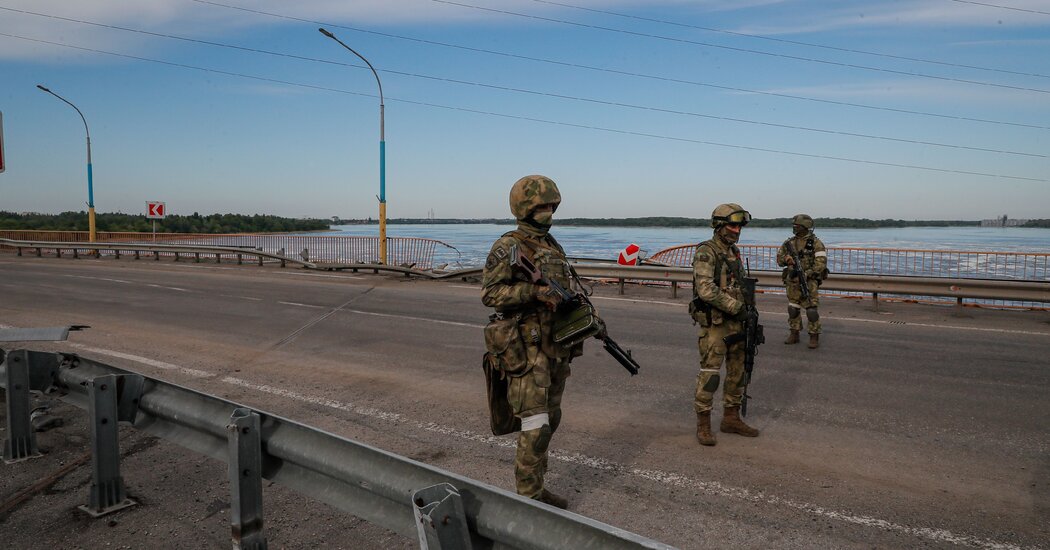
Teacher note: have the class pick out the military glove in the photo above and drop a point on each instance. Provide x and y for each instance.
(741, 314)
(545, 295)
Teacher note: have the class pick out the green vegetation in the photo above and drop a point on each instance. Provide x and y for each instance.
(665, 221)
(1037, 223)
(212, 223)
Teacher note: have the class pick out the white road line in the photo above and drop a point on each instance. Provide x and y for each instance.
(658, 476)
(410, 318)
(852, 319)
(168, 287)
(145, 361)
(99, 279)
(297, 304)
(665, 478)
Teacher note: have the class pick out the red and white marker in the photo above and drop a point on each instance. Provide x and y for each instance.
(629, 255)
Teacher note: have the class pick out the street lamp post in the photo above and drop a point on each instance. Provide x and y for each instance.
(91, 190)
(382, 151)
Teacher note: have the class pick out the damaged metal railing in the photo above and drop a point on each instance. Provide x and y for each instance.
(444, 510)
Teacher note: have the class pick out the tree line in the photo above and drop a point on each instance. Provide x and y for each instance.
(668, 221)
(196, 223)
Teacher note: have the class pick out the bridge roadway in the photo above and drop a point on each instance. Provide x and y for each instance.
(912, 426)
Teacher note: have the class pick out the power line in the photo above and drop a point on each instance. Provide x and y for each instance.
(537, 120)
(786, 41)
(742, 50)
(549, 94)
(1001, 7)
(622, 72)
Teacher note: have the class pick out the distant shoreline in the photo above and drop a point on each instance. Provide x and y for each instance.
(825, 223)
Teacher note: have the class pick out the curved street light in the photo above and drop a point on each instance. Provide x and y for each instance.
(382, 151)
(91, 191)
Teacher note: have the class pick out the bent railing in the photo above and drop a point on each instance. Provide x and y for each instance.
(373, 484)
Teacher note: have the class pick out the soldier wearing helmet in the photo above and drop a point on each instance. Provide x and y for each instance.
(518, 338)
(814, 258)
(718, 307)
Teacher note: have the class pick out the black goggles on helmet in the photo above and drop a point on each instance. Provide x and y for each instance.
(740, 217)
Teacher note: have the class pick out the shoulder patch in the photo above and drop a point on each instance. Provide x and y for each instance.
(491, 261)
(500, 253)
(703, 257)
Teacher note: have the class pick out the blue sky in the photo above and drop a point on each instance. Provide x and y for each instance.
(932, 109)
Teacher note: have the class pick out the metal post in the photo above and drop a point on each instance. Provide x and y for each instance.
(245, 452)
(440, 521)
(382, 150)
(21, 439)
(91, 188)
(875, 300)
(107, 487)
(621, 281)
(674, 289)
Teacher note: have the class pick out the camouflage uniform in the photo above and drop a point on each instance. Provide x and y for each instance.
(535, 367)
(718, 301)
(715, 258)
(814, 257)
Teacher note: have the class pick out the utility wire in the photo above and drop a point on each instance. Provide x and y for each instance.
(786, 41)
(742, 50)
(622, 72)
(539, 120)
(1001, 7)
(557, 96)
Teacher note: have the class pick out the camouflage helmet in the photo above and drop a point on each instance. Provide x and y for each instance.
(530, 192)
(802, 219)
(729, 213)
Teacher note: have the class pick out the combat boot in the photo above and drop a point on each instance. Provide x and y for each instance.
(733, 424)
(792, 338)
(703, 429)
(814, 341)
(554, 500)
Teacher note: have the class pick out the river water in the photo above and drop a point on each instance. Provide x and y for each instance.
(472, 241)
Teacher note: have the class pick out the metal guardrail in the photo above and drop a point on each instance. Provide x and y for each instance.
(1029, 266)
(1032, 291)
(319, 248)
(958, 288)
(380, 487)
(155, 249)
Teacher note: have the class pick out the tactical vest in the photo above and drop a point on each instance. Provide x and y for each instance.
(727, 271)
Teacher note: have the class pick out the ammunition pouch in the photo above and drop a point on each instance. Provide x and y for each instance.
(575, 323)
(700, 311)
(505, 344)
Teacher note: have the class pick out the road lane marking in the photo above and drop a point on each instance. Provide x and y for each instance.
(658, 476)
(411, 318)
(853, 319)
(145, 361)
(297, 304)
(99, 279)
(168, 287)
(621, 470)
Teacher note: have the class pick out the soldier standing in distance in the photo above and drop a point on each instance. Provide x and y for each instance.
(814, 258)
(718, 307)
(520, 332)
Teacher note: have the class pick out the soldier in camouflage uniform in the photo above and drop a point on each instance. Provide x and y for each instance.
(814, 258)
(718, 308)
(520, 332)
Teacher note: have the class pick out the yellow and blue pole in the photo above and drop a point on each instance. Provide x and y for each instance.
(91, 188)
(382, 150)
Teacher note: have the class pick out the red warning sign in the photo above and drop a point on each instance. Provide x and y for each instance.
(629, 255)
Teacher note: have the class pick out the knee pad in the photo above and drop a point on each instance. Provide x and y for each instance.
(794, 311)
(712, 383)
(812, 314)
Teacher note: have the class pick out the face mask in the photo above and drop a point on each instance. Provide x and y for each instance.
(730, 237)
(800, 231)
(544, 219)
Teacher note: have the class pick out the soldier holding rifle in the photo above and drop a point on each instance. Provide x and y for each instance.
(537, 329)
(806, 262)
(729, 330)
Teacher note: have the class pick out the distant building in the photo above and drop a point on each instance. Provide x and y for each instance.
(1003, 221)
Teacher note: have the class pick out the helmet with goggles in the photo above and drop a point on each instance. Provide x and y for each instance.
(729, 214)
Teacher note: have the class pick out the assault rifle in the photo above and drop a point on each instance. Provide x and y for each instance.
(797, 270)
(577, 314)
(752, 335)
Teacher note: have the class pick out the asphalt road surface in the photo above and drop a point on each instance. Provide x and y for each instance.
(911, 426)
